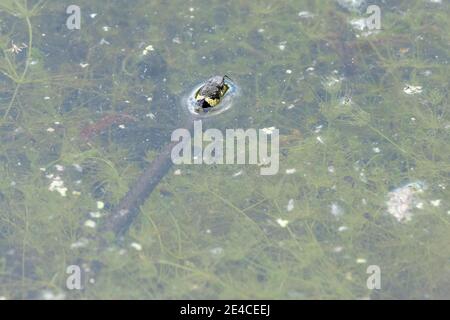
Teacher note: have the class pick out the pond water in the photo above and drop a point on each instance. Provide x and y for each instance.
(359, 208)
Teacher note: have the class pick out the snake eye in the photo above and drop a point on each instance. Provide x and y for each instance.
(200, 103)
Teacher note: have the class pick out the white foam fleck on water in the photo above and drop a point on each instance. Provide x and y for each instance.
(361, 260)
(100, 205)
(95, 214)
(268, 130)
(237, 173)
(58, 185)
(290, 205)
(336, 210)
(136, 246)
(305, 14)
(90, 223)
(83, 242)
(50, 295)
(291, 171)
(283, 223)
(436, 203)
(216, 251)
(402, 200)
(409, 89)
(338, 249)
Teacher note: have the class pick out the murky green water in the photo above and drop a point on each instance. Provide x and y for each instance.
(361, 114)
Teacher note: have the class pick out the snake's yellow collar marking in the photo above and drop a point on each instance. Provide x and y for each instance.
(212, 101)
(210, 94)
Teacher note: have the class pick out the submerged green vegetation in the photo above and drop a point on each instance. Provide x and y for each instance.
(84, 111)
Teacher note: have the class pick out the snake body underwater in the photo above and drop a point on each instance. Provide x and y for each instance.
(204, 100)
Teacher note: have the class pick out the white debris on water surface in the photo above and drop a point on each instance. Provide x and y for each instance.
(351, 5)
(359, 24)
(216, 251)
(90, 223)
(409, 89)
(59, 167)
(147, 49)
(342, 228)
(435, 203)
(346, 101)
(136, 246)
(291, 171)
(305, 14)
(100, 205)
(50, 129)
(361, 260)
(83, 242)
(103, 42)
(338, 249)
(331, 81)
(95, 214)
(177, 172)
(237, 174)
(50, 295)
(283, 223)
(57, 185)
(268, 130)
(150, 115)
(290, 205)
(336, 210)
(403, 200)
